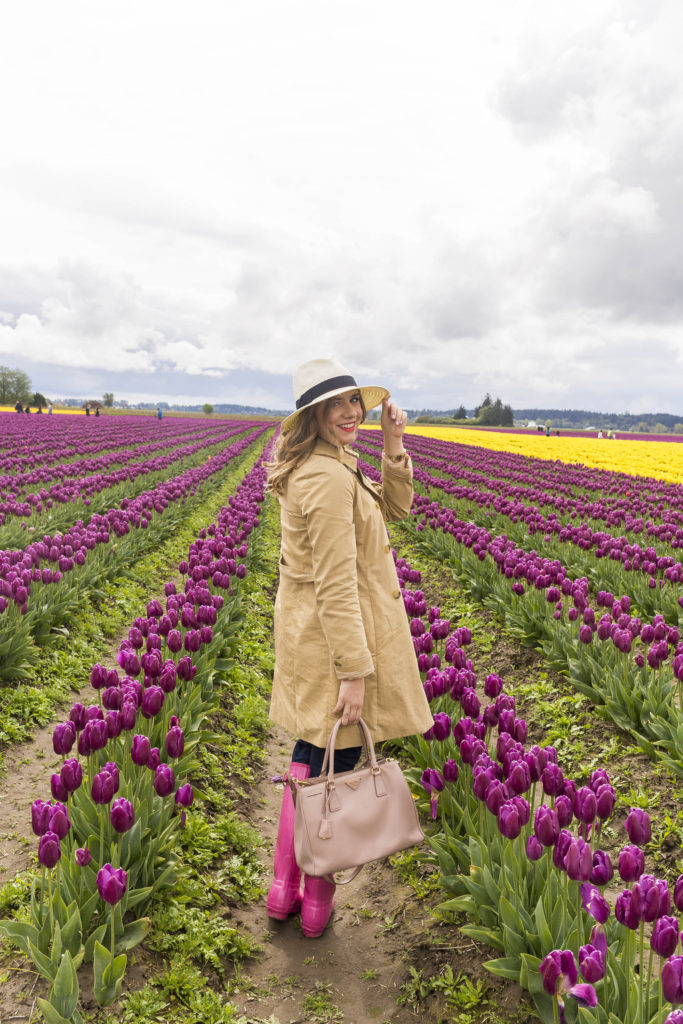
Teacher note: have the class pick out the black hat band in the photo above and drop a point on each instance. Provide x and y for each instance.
(325, 386)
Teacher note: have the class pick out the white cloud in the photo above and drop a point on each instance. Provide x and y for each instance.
(457, 200)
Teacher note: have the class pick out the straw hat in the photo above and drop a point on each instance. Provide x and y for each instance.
(319, 379)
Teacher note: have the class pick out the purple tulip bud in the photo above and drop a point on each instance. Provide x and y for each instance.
(59, 820)
(546, 825)
(623, 911)
(58, 789)
(184, 668)
(98, 734)
(594, 903)
(562, 844)
(631, 863)
(585, 805)
(664, 938)
(563, 810)
(552, 780)
(41, 812)
(164, 780)
(77, 716)
(174, 641)
(442, 726)
(140, 749)
(49, 849)
(112, 698)
(534, 850)
(602, 871)
(111, 883)
(509, 820)
(71, 774)
(122, 814)
(102, 789)
(675, 1017)
(606, 798)
(495, 796)
(519, 778)
(83, 857)
(451, 771)
(63, 737)
(129, 714)
(638, 826)
(678, 894)
(152, 701)
(592, 963)
(651, 898)
(98, 676)
(184, 795)
(672, 979)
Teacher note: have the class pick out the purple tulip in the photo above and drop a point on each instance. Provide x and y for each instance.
(154, 759)
(631, 863)
(164, 780)
(592, 963)
(41, 812)
(675, 1017)
(665, 935)
(602, 871)
(579, 860)
(184, 795)
(58, 789)
(83, 856)
(546, 825)
(129, 714)
(152, 700)
(451, 771)
(558, 971)
(122, 814)
(140, 749)
(59, 820)
(585, 805)
(594, 903)
(519, 777)
(534, 850)
(442, 726)
(638, 826)
(672, 979)
(174, 641)
(111, 883)
(651, 898)
(552, 780)
(49, 849)
(433, 782)
(564, 810)
(678, 894)
(63, 737)
(509, 820)
(102, 789)
(606, 798)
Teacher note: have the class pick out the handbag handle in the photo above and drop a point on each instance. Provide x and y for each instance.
(368, 747)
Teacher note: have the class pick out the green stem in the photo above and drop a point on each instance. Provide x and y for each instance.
(579, 908)
(113, 933)
(649, 982)
(556, 1015)
(49, 896)
(641, 972)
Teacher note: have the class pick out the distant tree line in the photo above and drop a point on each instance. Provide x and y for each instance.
(646, 423)
(489, 413)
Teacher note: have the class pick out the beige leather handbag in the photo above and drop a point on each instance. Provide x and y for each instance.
(346, 820)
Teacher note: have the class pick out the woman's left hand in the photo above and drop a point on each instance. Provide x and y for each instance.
(393, 421)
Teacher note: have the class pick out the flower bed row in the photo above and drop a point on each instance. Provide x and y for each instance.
(521, 847)
(108, 836)
(41, 584)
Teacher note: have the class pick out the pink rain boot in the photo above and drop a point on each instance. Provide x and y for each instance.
(284, 897)
(317, 906)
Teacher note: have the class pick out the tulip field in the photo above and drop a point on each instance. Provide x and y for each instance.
(570, 544)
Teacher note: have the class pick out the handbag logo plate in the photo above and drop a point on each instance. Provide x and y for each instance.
(353, 784)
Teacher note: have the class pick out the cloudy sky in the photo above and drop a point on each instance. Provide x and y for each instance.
(451, 197)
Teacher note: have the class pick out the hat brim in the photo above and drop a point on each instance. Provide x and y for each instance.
(372, 396)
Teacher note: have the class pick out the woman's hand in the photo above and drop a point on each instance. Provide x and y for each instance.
(393, 421)
(350, 701)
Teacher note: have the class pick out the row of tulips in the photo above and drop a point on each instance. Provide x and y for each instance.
(521, 848)
(57, 507)
(633, 668)
(108, 836)
(40, 585)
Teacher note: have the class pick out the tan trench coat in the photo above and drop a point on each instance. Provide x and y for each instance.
(338, 610)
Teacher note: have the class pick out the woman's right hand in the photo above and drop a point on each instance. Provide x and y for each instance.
(350, 701)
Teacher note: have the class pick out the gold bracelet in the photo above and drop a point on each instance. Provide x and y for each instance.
(396, 458)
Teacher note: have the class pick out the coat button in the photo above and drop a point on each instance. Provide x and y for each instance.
(337, 664)
(397, 593)
(387, 548)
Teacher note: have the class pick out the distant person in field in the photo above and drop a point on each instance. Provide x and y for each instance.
(49, 408)
(28, 409)
(159, 414)
(97, 411)
(87, 409)
(342, 641)
(18, 407)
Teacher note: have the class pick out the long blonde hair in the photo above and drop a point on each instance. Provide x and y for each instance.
(294, 447)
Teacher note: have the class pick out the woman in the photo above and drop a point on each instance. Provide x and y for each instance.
(342, 642)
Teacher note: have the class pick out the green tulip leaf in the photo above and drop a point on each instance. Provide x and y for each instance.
(64, 990)
(50, 1014)
(505, 967)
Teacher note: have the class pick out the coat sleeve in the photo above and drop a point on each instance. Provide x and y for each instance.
(397, 489)
(326, 500)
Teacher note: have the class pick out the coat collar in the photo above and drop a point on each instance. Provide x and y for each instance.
(332, 451)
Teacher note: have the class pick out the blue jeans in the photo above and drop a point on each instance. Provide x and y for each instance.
(306, 753)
